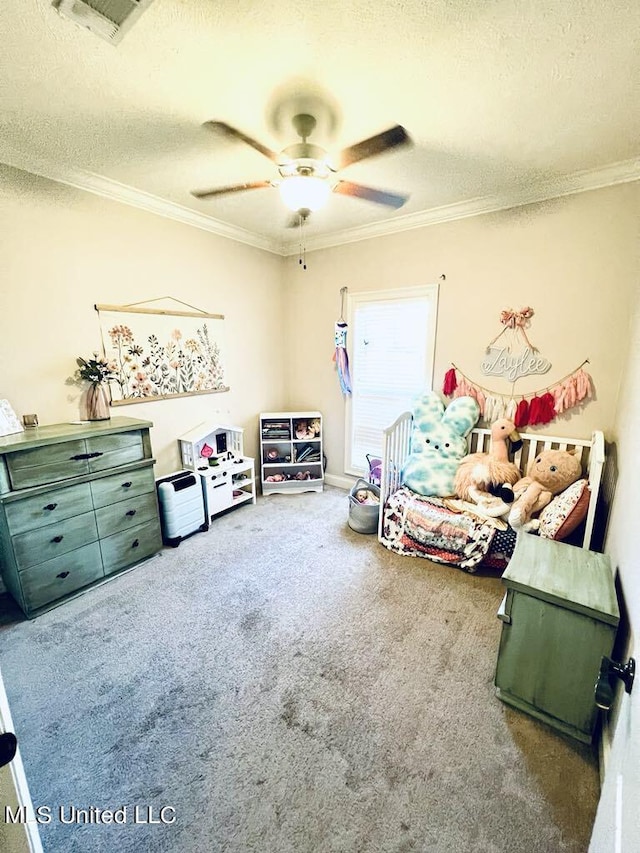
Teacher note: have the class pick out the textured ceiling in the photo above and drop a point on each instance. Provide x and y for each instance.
(505, 100)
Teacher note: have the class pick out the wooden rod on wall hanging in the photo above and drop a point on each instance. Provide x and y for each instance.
(136, 308)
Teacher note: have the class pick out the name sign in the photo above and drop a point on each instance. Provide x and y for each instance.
(500, 362)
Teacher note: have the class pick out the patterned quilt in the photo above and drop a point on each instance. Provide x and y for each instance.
(427, 527)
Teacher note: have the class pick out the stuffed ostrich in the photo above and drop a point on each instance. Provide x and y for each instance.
(486, 478)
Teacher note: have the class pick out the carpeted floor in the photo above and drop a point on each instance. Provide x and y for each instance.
(282, 684)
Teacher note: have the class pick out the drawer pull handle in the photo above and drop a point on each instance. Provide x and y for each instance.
(127, 485)
(135, 543)
(50, 507)
(131, 512)
(95, 454)
(62, 575)
(58, 538)
(80, 456)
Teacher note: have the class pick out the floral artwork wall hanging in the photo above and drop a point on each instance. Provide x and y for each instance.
(160, 353)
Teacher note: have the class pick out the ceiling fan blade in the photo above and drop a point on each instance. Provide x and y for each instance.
(394, 200)
(391, 138)
(235, 188)
(233, 133)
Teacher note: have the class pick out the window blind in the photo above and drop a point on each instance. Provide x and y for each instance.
(391, 363)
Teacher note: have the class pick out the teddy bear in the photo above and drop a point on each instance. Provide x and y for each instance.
(438, 443)
(550, 473)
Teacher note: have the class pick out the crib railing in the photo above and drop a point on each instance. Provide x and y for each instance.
(395, 449)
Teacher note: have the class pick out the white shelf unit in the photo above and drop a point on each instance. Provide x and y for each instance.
(216, 454)
(291, 455)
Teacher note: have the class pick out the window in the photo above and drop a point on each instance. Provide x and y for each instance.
(391, 341)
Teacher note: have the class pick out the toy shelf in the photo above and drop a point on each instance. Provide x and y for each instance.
(291, 457)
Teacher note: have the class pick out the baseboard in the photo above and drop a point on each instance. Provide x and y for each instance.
(341, 482)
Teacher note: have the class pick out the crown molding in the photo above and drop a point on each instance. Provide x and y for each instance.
(116, 191)
(621, 172)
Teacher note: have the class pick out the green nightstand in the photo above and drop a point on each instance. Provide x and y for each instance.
(560, 615)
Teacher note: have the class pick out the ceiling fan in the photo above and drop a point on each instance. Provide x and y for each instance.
(307, 175)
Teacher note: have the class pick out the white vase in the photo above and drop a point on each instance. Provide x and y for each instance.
(98, 403)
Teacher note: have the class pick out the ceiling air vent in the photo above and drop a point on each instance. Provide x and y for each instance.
(109, 19)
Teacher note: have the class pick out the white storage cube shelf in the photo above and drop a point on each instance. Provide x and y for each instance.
(227, 475)
(291, 455)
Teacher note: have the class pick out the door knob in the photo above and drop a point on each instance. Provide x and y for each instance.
(8, 747)
(610, 670)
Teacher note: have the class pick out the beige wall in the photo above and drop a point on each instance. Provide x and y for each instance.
(573, 259)
(63, 250)
(618, 808)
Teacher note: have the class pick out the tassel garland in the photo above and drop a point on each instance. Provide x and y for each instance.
(450, 382)
(529, 410)
(522, 414)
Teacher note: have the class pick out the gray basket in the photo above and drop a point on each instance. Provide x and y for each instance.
(363, 518)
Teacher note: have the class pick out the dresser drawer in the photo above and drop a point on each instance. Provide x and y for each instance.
(124, 514)
(136, 543)
(117, 487)
(57, 505)
(45, 543)
(56, 578)
(110, 451)
(48, 464)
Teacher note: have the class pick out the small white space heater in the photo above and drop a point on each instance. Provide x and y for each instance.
(181, 506)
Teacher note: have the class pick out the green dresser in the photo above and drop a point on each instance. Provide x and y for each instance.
(560, 616)
(77, 505)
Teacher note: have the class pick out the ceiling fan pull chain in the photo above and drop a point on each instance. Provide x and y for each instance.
(303, 222)
(302, 251)
(300, 221)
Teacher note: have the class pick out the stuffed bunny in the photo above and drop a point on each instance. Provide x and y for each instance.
(438, 443)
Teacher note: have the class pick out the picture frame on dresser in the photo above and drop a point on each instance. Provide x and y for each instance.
(9, 423)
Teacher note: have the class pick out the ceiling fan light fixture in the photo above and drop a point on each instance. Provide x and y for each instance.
(306, 192)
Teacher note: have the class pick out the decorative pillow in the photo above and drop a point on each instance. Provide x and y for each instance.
(565, 512)
(438, 443)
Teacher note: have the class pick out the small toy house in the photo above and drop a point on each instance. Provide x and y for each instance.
(205, 442)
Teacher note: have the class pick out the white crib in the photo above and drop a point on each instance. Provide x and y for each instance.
(397, 439)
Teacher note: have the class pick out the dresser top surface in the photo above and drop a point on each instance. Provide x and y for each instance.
(564, 574)
(56, 433)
